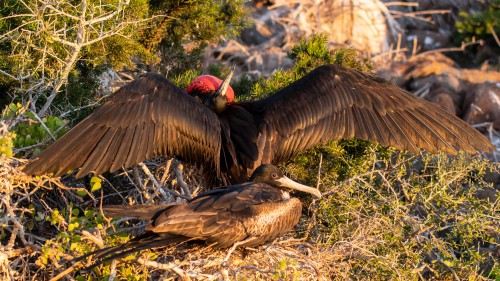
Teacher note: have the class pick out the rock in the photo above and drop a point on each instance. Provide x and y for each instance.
(446, 81)
(488, 193)
(394, 72)
(444, 99)
(252, 36)
(492, 176)
(482, 104)
(361, 23)
(443, 90)
(262, 31)
(429, 40)
(262, 3)
(107, 82)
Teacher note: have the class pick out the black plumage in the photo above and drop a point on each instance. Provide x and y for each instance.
(152, 117)
(243, 215)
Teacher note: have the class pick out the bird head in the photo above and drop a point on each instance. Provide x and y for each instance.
(270, 174)
(212, 91)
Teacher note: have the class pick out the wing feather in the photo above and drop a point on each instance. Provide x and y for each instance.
(148, 117)
(98, 152)
(123, 149)
(339, 103)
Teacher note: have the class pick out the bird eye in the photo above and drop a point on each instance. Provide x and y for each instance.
(274, 175)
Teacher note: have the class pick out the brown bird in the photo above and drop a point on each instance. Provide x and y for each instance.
(243, 215)
(152, 117)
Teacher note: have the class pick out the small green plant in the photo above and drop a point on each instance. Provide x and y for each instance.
(7, 144)
(182, 80)
(31, 132)
(479, 25)
(69, 222)
(243, 87)
(285, 270)
(12, 110)
(74, 230)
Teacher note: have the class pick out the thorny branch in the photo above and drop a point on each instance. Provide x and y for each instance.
(158, 186)
(34, 46)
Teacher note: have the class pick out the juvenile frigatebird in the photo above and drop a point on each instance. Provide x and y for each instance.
(152, 117)
(242, 215)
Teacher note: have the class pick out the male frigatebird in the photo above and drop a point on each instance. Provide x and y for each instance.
(152, 117)
(242, 215)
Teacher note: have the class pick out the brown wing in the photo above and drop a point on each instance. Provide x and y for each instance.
(217, 216)
(333, 102)
(148, 117)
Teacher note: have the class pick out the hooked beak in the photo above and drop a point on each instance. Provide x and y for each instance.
(225, 84)
(285, 181)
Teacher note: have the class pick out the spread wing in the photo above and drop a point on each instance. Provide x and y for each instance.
(333, 102)
(148, 117)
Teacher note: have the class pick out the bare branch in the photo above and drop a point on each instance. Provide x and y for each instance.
(495, 35)
(48, 52)
(158, 185)
(411, 4)
(27, 7)
(452, 49)
(164, 266)
(180, 180)
(43, 125)
(59, 12)
(102, 18)
(64, 114)
(120, 27)
(65, 42)
(17, 16)
(8, 75)
(2, 37)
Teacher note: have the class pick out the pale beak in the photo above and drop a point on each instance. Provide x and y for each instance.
(225, 84)
(286, 182)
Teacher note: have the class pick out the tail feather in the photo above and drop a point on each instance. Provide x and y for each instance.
(146, 241)
(145, 212)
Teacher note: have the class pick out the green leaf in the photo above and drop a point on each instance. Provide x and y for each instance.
(89, 213)
(13, 107)
(81, 192)
(95, 184)
(31, 115)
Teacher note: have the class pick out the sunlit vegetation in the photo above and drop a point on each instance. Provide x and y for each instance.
(386, 214)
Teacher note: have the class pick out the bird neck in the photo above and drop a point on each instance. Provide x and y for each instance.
(285, 195)
(212, 100)
(219, 103)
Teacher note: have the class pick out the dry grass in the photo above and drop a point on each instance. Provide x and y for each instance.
(398, 218)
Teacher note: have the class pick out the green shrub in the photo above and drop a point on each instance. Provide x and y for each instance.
(480, 25)
(31, 132)
(307, 55)
(7, 144)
